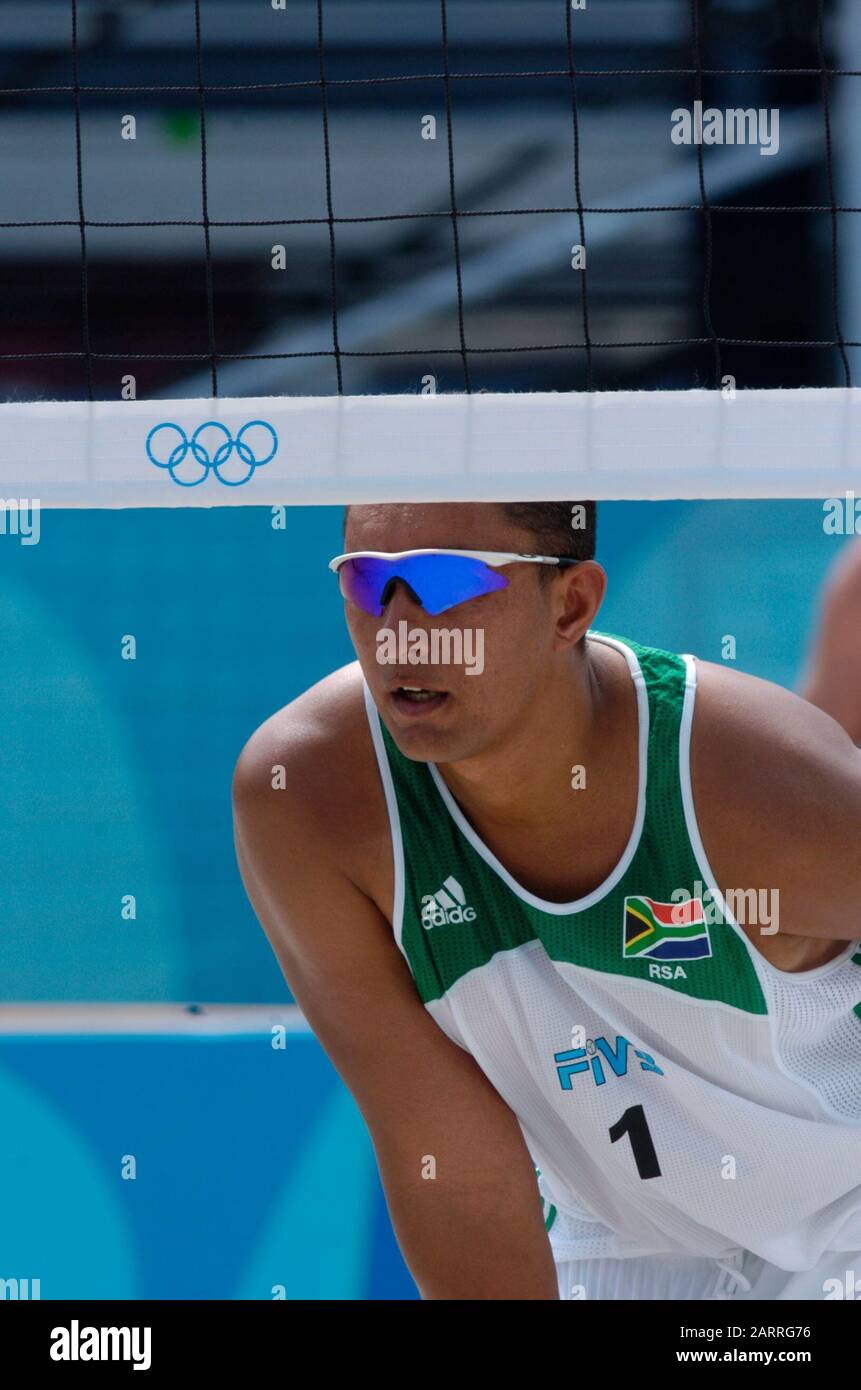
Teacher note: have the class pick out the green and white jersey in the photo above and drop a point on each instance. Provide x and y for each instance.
(677, 1092)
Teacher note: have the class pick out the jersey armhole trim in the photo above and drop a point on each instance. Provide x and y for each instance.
(387, 780)
(692, 823)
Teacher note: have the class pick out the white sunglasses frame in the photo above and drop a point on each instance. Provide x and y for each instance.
(495, 558)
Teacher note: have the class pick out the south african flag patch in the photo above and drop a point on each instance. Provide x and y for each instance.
(665, 931)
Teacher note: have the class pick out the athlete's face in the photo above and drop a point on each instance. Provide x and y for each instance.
(491, 656)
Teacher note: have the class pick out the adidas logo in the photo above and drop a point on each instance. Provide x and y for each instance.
(446, 906)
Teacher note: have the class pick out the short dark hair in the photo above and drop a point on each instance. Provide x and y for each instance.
(559, 528)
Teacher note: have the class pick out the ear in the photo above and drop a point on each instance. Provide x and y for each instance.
(579, 593)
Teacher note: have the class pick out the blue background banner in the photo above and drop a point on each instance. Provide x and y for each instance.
(255, 1177)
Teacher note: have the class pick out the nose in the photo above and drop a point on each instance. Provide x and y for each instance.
(398, 595)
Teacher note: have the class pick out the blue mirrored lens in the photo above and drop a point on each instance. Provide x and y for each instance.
(438, 581)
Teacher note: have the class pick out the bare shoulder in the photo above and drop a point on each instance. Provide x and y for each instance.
(833, 678)
(844, 583)
(310, 772)
(308, 735)
(777, 785)
(779, 736)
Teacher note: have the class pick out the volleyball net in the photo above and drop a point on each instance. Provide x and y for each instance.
(329, 251)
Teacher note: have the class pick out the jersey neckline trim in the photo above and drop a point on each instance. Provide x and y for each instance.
(374, 723)
(578, 904)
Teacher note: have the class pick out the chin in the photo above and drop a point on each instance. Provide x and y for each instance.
(432, 745)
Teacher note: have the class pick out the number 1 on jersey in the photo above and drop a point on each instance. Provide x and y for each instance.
(635, 1124)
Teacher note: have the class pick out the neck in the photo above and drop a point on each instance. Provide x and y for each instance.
(578, 718)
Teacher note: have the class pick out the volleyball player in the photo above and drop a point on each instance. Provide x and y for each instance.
(503, 903)
(834, 680)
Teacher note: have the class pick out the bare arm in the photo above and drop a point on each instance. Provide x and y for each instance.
(474, 1230)
(834, 680)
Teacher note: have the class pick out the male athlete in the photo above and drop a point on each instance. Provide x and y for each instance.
(834, 681)
(593, 910)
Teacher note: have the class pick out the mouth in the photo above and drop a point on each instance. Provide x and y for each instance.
(417, 700)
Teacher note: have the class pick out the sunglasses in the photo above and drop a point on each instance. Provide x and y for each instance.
(437, 579)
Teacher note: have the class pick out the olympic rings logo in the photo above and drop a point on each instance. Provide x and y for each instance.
(211, 452)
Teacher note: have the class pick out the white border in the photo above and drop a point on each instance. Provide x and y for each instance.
(491, 447)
